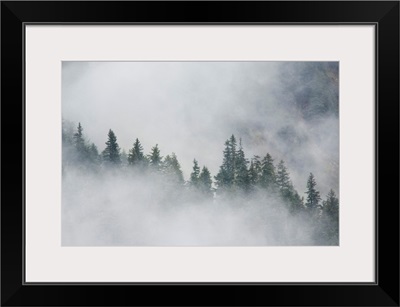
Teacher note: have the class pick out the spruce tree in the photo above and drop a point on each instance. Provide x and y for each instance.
(194, 176)
(155, 158)
(232, 165)
(136, 156)
(111, 154)
(296, 202)
(330, 218)
(253, 176)
(205, 182)
(172, 169)
(242, 180)
(226, 175)
(79, 143)
(313, 196)
(268, 175)
(282, 177)
(254, 172)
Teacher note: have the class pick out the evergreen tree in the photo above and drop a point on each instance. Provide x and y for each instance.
(79, 143)
(295, 201)
(78, 136)
(194, 176)
(155, 158)
(282, 177)
(233, 153)
(172, 169)
(330, 218)
(205, 182)
(268, 176)
(254, 172)
(226, 175)
(242, 180)
(111, 154)
(253, 176)
(313, 196)
(136, 156)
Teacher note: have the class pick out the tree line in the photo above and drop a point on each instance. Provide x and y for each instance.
(238, 176)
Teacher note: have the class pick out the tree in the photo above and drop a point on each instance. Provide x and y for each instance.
(254, 172)
(172, 169)
(136, 156)
(194, 176)
(226, 175)
(330, 218)
(313, 196)
(79, 143)
(155, 159)
(205, 182)
(232, 164)
(111, 154)
(242, 180)
(268, 176)
(296, 202)
(282, 177)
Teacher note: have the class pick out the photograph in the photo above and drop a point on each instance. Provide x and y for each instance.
(205, 153)
(246, 147)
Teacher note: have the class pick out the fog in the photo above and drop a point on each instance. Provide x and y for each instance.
(287, 109)
(116, 209)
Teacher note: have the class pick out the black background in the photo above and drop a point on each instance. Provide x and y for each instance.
(384, 293)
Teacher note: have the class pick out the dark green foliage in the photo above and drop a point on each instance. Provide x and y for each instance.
(255, 172)
(330, 219)
(287, 191)
(172, 169)
(76, 149)
(136, 157)
(194, 176)
(233, 174)
(268, 175)
(226, 176)
(313, 196)
(205, 183)
(242, 179)
(282, 177)
(201, 182)
(296, 202)
(111, 154)
(155, 159)
(79, 143)
(78, 137)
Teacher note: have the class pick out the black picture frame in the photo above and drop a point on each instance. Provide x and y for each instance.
(383, 14)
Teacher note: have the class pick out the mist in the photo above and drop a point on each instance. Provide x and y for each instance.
(286, 109)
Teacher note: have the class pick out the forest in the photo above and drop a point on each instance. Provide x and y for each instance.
(133, 198)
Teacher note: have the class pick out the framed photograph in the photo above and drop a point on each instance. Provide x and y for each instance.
(246, 148)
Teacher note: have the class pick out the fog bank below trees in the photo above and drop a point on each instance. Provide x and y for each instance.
(143, 200)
